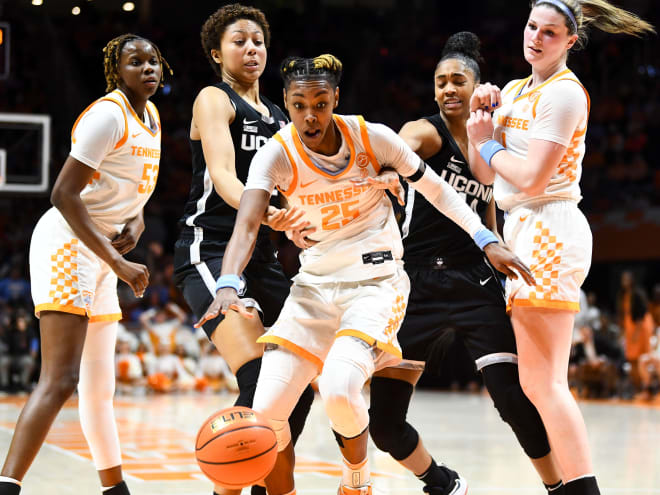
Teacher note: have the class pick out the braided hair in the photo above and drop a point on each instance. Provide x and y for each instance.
(324, 68)
(465, 47)
(112, 55)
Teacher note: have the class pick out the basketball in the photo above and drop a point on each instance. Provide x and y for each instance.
(236, 447)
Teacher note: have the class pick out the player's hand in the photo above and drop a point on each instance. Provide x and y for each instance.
(225, 299)
(387, 179)
(508, 263)
(129, 236)
(300, 237)
(487, 97)
(480, 128)
(283, 219)
(134, 274)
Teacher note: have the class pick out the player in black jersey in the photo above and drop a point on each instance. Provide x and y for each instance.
(452, 287)
(230, 121)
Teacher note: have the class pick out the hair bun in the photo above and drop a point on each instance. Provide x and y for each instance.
(464, 43)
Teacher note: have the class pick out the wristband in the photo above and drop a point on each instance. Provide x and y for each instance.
(484, 237)
(489, 149)
(233, 281)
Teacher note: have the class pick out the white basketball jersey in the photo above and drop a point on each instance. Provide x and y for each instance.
(126, 175)
(519, 119)
(351, 222)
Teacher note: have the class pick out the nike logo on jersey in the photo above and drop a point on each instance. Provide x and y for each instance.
(454, 160)
(484, 282)
(523, 217)
(249, 122)
(136, 134)
(308, 183)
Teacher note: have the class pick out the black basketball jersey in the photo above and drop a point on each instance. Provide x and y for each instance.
(206, 215)
(428, 233)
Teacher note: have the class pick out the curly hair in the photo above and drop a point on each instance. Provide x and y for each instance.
(112, 55)
(215, 26)
(464, 46)
(324, 67)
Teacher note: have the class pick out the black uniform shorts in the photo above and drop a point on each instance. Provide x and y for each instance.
(466, 298)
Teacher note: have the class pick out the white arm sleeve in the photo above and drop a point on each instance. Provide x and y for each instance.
(446, 200)
(392, 151)
(97, 133)
(270, 167)
(562, 110)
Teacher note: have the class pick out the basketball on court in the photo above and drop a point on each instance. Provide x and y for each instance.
(236, 447)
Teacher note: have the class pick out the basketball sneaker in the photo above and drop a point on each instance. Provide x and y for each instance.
(456, 485)
(353, 490)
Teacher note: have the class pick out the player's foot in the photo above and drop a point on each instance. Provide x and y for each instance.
(119, 489)
(456, 485)
(354, 490)
(8, 488)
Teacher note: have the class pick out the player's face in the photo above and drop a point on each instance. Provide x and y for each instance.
(242, 53)
(139, 69)
(546, 38)
(310, 105)
(454, 84)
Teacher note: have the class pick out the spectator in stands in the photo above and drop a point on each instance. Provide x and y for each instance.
(21, 356)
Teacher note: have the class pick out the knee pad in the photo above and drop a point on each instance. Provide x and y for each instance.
(282, 433)
(300, 412)
(348, 366)
(246, 377)
(515, 408)
(388, 427)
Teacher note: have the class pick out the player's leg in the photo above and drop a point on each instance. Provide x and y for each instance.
(284, 376)
(96, 390)
(62, 340)
(543, 337)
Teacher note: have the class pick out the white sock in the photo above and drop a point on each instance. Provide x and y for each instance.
(7, 479)
(356, 475)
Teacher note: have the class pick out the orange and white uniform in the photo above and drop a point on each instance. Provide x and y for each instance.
(547, 231)
(124, 150)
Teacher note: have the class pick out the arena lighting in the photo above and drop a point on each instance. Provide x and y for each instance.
(128, 6)
(75, 10)
(37, 2)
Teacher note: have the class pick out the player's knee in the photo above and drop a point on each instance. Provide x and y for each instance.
(62, 386)
(387, 417)
(343, 402)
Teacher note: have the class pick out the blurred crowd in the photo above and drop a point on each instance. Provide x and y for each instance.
(389, 50)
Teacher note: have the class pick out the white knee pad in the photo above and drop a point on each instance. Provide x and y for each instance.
(96, 389)
(348, 366)
(282, 379)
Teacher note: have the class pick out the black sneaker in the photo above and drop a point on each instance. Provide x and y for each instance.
(456, 486)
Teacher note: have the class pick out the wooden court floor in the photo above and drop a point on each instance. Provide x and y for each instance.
(462, 430)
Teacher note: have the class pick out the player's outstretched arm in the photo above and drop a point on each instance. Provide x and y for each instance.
(251, 210)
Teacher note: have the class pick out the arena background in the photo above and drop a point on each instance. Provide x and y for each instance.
(389, 49)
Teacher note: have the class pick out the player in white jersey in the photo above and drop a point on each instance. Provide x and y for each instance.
(76, 256)
(347, 302)
(532, 149)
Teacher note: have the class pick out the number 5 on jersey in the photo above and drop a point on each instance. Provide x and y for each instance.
(149, 177)
(338, 215)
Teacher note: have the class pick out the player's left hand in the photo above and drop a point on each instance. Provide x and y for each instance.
(225, 299)
(508, 263)
(129, 236)
(283, 219)
(480, 128)
(387, 179)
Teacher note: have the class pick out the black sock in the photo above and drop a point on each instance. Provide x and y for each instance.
(556, 488)
(118, 489)
(258, 490)
(9, 488)
(246, 377)
(435, 476)
(582, 486)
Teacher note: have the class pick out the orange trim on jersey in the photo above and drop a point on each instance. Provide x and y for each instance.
(294, 180)
(364, 134)
(69, 308)
(537, 88)
(518, 85)
(108, 317)
(123, 111)
(296, 349)
(542, 303)
(383, 346)
(305, 158)
(139, 120)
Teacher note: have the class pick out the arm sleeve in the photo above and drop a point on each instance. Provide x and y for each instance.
(561, 110)
(392, 151)
(270, 167)
(97, 133)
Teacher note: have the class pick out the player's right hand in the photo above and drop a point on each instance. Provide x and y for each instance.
(134, 274)
(300, 237)
(225, 299)
(486, 97)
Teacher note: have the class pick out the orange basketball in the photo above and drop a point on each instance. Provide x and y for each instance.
(236, 447)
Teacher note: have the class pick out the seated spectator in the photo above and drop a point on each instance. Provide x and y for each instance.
(213, 373)
(128, 368)
(169, 373)
(20, 358)
(162, 327)
(649, 370)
